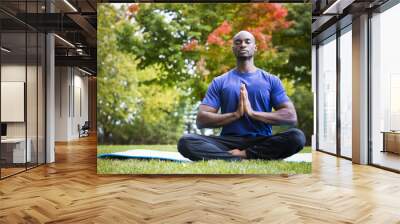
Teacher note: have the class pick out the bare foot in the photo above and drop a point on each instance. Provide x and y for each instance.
(238, 152)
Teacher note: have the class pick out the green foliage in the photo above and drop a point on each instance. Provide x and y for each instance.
(296, 42)
(129, 112)
(302, 98)
(303, 101)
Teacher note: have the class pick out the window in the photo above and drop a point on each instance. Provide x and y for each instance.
(385, 84)
(346, 74)
(22, 78)
(327, 95)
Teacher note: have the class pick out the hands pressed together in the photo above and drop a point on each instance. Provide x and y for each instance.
(244, 106)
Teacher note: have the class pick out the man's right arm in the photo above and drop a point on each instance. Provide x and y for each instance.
(208, 117)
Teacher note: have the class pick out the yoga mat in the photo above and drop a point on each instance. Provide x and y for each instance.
(146, 154)
(176, 156)
(300, 157)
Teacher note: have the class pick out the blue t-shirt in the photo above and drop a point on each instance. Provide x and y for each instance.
(264, 90)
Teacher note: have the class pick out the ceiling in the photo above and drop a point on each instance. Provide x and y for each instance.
(329, 15)
(74, 22)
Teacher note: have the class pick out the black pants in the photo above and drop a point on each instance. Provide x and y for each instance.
(279, 146)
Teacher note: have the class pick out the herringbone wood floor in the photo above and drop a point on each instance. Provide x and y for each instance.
(70, 191)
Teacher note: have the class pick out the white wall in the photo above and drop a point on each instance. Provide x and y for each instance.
(14, 72)
(61, 103)
(33, 126)
(80, 109)
(71, 94)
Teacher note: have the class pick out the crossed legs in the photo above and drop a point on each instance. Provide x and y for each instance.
(279, 146)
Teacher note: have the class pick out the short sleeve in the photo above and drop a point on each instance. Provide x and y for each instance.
(213, 95)
(278, 93)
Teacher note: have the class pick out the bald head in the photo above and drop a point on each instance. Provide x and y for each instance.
(245, 34)
(244, 45)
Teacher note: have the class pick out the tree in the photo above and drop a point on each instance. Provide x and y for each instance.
(192, 43)
(296, 42)
(129, 112)
(114, 105)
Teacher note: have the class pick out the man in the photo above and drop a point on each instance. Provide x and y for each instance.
(245, 95)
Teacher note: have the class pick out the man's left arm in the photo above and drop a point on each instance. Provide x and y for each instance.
(284, 114)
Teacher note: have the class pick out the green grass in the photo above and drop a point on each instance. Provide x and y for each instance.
(136, 166)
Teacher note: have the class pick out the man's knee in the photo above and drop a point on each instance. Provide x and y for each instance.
(297, 138)
(185, 142)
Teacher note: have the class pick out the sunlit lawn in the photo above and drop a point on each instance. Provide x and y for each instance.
(137, 166)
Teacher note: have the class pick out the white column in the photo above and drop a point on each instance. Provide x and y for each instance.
(50, 100)
(50, 92)
(360, 90)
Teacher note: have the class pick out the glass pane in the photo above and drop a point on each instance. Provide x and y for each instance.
(13, 86)
(346, 94)
(41, 99)
(31, 97)
(386, 89)
(23, 82)
(327, 96)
